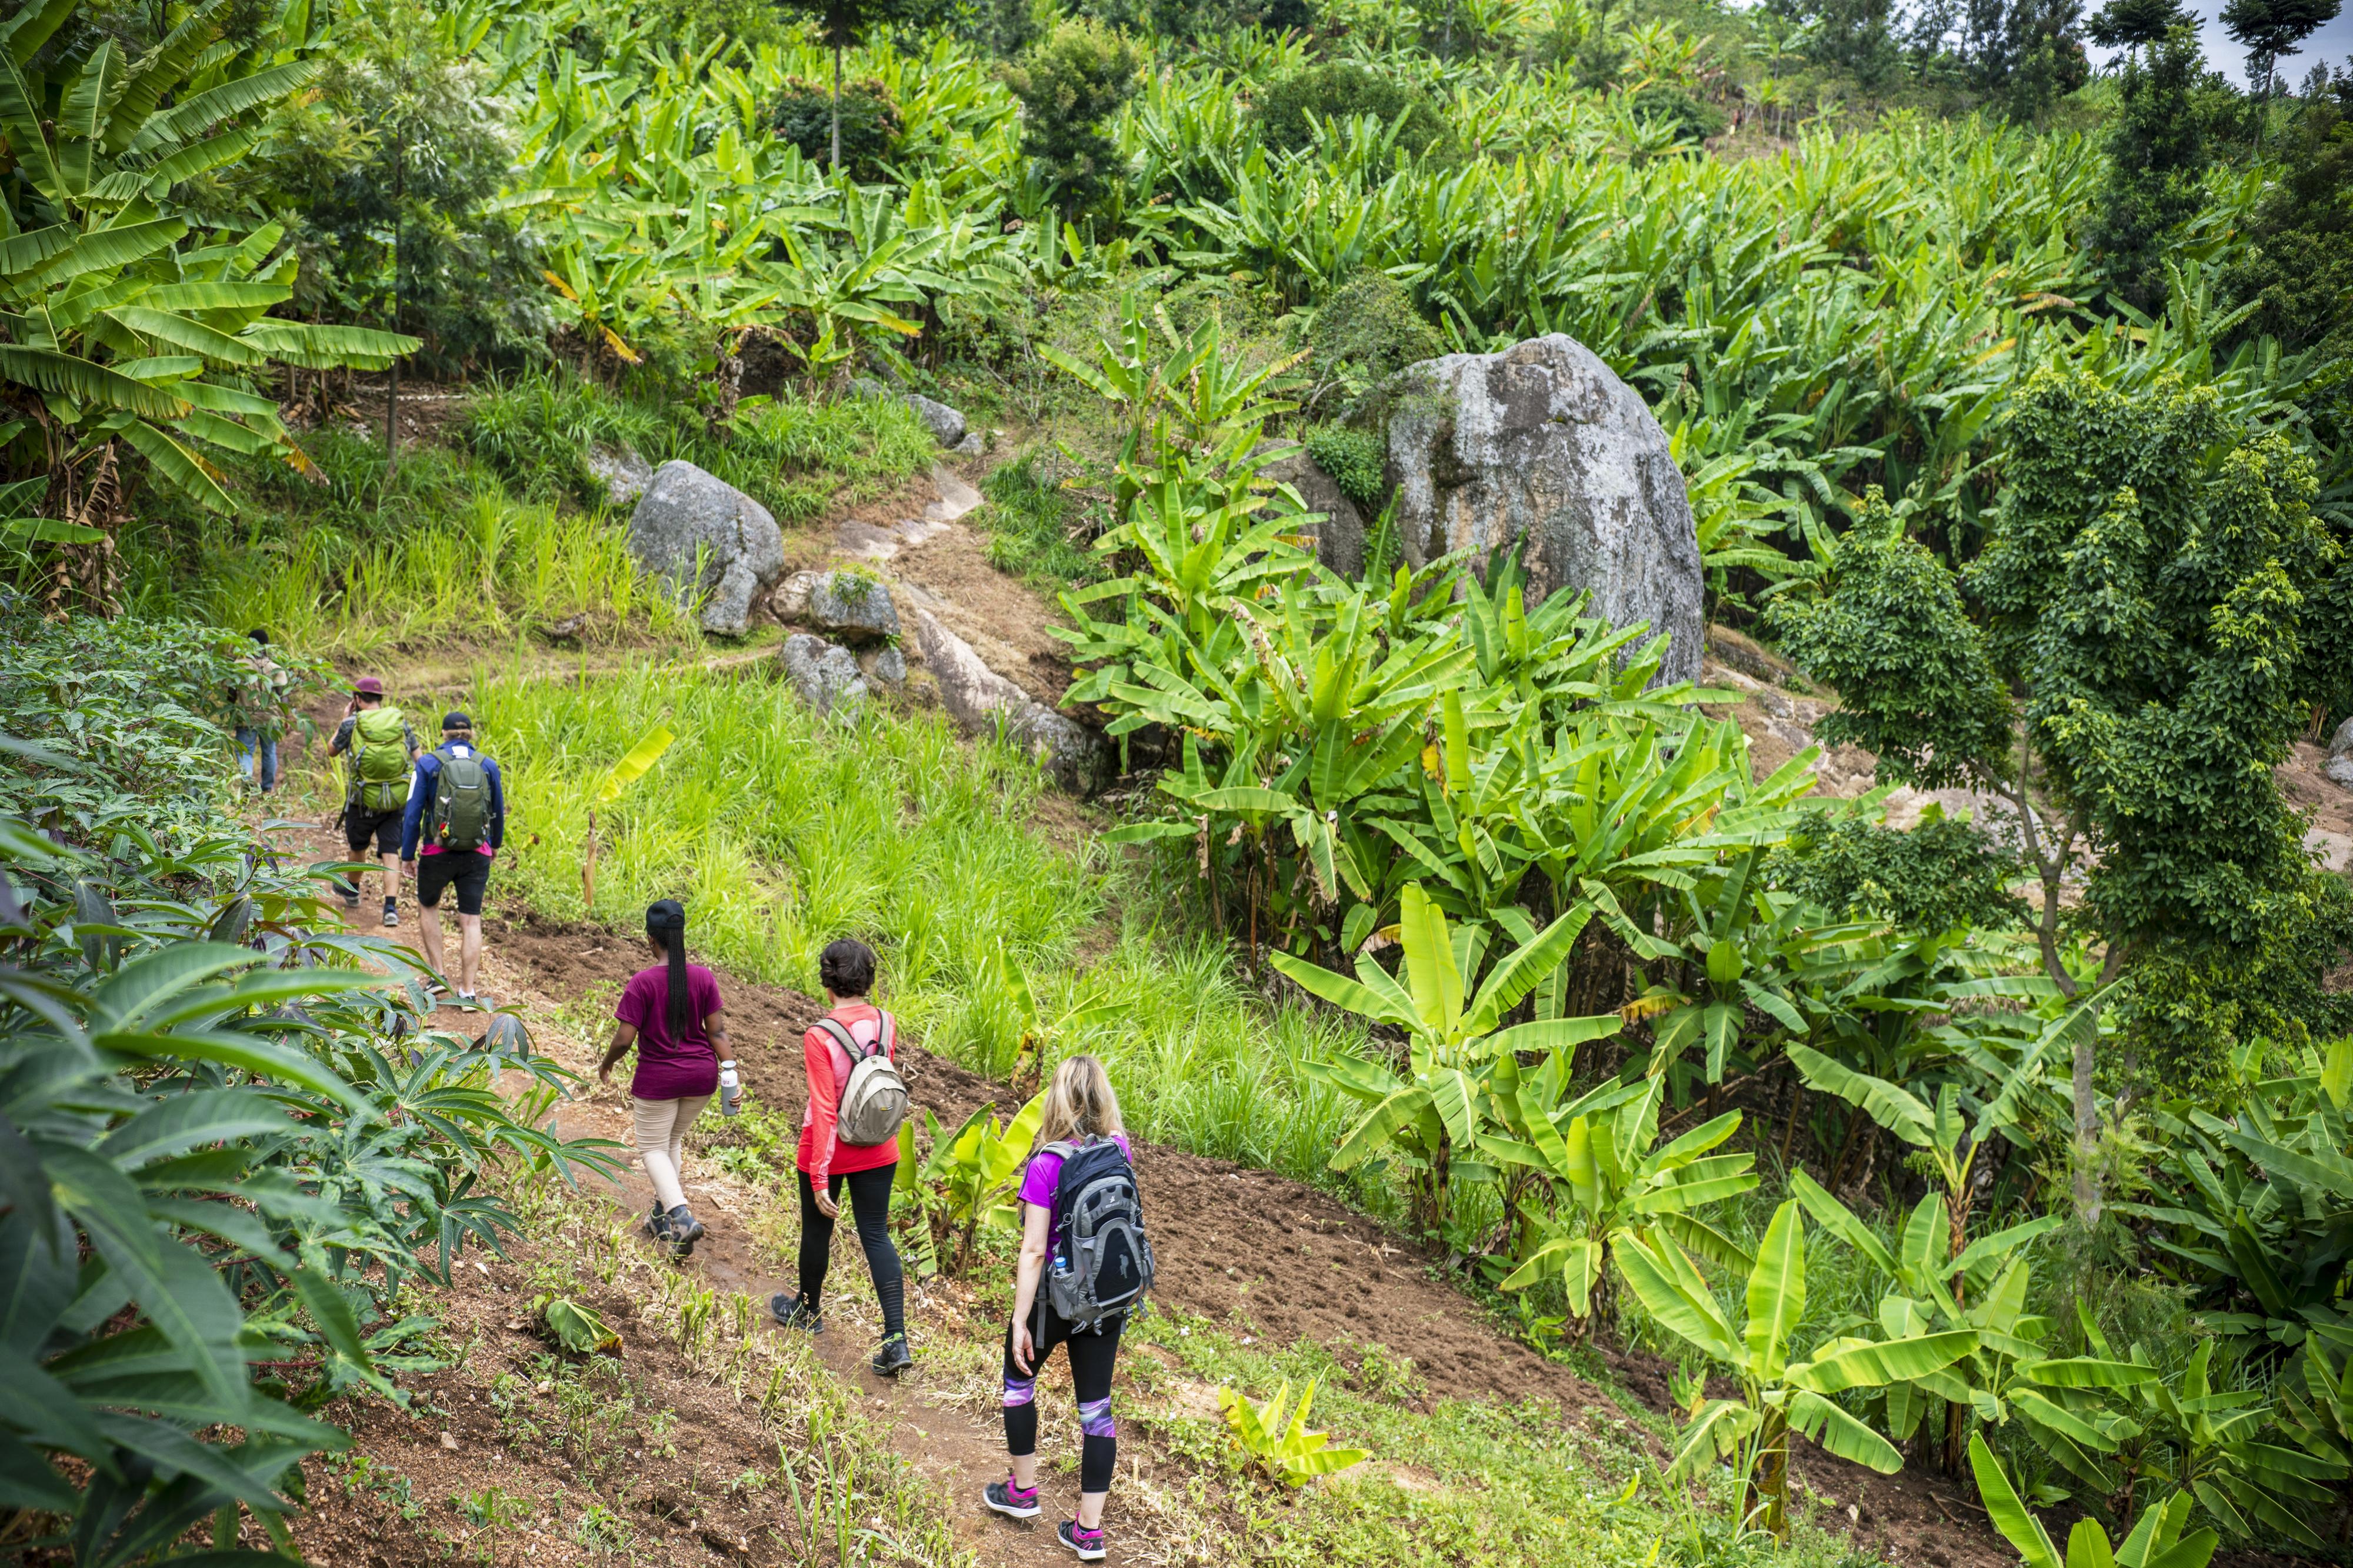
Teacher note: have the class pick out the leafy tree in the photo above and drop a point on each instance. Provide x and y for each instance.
(2024, 54)
(1364, 332)
(2270, 29)
(2135, 25)
(2157, 156)
(843, 24)
(2298, 268)
(1070, 85)
(1943, 873)
(2148, 597)
(805, 114)
(1289, 112)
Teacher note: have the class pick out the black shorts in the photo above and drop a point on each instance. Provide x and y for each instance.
(361, 824)
(467, 870)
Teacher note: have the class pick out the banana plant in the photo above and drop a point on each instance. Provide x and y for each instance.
(963, 1183)
(2007, 1375)
(1603, 1181)
(2209, 1442)
(118, 328)
(1777, 1394)
(1422, 1119)
(2155, 1539)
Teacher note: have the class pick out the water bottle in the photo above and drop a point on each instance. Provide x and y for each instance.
(730, 1091)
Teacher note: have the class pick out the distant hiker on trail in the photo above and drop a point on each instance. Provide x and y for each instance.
(674, 1014)
(1084, 1262)
(383, 747)
(260, 702)
(850, 1133)
(458, 815)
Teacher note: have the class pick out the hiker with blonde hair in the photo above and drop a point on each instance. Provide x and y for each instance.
(1084, 1263)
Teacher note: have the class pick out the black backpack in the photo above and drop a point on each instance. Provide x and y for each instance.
(1103, 1261)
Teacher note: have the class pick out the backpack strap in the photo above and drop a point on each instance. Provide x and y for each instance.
(884, 1039)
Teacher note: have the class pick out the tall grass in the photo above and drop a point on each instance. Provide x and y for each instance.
(782, 831)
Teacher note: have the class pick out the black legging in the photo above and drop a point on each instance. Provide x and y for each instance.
(870, 1205)
(1093, 1356)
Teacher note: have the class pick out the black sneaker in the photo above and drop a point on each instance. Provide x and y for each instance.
(656, 1226)
(391, 919)
(685, 1230)
(893, 1358)
(1087, 1544)
(1010, 1500)
(788, 1312)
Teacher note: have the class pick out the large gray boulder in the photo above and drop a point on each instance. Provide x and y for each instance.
(823, 675)
(1541, 443)
(846, 606)
(981, 700)
(1340, 535)
(686, 513)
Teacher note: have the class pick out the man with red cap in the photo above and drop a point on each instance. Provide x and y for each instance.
(383, 749)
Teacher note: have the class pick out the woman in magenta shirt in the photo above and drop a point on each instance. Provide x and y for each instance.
(673, 1016)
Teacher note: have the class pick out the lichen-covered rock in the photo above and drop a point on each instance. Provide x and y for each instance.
(946, 424)
(687, 514)
(972, 446)
(886, 666)
(1340, 534)
(2341, 743)
(846, 605)
(824, 675)
(1543, 443)
(623, 473)
(980, 699)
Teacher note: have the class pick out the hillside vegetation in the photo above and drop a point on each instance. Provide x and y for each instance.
(1747, 1152)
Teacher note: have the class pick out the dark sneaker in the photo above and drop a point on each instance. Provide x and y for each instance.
(656, 1226)
(1011, 1501)
(391, 919)
(893, 1358)
(351, 902)
(788, 1310)
(1087, 1544)
(685, 1230)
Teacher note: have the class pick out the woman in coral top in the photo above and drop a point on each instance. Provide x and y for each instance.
(827, 1165)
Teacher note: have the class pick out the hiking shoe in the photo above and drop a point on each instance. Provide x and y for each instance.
(1012, 1500)
(1087, 1544)
(351, 902)
(893, 1358)
(656, 1226)
(391, 917)
(685, 1230)
(788, 1312)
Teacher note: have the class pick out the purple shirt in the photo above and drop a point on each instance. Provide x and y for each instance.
(671, 1068)
(1046, 1168)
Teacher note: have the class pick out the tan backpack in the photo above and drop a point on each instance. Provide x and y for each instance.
(874, 1100)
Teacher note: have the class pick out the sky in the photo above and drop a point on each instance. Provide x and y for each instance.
(2333, 43)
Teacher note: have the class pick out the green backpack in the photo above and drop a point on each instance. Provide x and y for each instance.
(461, 818)
(380, 765)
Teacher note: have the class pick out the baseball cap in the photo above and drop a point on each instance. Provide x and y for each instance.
(456, 720)
(367, 685)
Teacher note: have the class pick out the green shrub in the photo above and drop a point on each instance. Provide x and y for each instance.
(1364, 332)
(1289, 112)
(871, 125)
(1030, 522)
(1943, 873)
(1354, 459)
(1663, 102)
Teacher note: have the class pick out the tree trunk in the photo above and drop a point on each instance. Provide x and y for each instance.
(2087, 1137)
(391, 384)
(835, 166)
(1771, 1508)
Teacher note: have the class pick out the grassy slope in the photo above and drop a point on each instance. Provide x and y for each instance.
(782, 831)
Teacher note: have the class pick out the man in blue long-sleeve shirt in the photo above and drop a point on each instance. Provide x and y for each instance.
(449, 836)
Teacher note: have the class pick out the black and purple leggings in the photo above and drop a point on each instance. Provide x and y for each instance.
(1093, 1356)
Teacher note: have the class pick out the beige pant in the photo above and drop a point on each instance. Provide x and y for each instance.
(661, 1142)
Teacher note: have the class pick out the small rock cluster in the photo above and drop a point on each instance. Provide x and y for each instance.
(859, 645)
